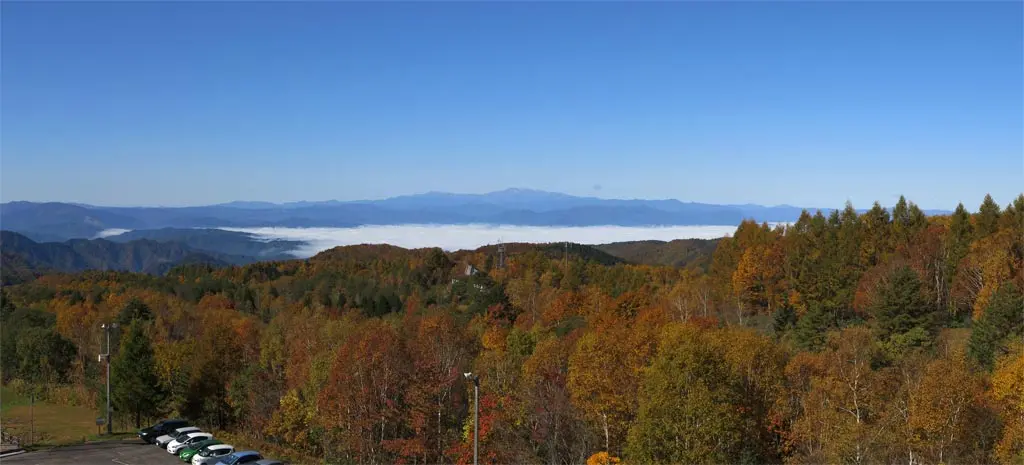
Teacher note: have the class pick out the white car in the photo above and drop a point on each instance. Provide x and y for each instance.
(177, 445)
(211, 454)
(162, 441)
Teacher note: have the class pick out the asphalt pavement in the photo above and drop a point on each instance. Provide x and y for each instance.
(124, 452)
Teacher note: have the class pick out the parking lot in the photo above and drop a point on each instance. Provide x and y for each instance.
(125, 452)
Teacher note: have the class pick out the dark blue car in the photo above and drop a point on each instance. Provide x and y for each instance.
(245, 456)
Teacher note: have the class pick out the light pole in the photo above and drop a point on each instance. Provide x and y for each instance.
(106, 329)
(476, 414)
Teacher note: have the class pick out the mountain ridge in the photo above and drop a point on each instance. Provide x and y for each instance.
(21, 258)
(56, 221)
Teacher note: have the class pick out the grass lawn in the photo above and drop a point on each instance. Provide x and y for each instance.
(9, 398)
(54, 424)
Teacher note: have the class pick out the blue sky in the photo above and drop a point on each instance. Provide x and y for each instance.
(811, 104)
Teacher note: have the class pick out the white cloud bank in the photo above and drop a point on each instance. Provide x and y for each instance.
(455, 237)
(110, 232)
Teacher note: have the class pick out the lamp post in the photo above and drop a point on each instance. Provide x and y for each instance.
(106, 329)
(476, 415)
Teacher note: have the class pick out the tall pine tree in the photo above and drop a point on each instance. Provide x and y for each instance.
(907, 221)
(903, 315)
(134, 384)
(988, 217)
(957, 243)
(812, 328)
(877, 240)
(1012, 220)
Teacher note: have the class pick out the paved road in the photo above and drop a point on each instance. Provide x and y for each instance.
(126, 452)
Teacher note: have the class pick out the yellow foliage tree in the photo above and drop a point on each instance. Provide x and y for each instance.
(940, 410)
(602, 458)
(1008, 392)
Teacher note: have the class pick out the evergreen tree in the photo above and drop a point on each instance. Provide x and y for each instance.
(900, 214)
(835, 282)
(6, 306)
(876, 244)
(918, 220)
(799, 261)
(1018, 206)
(783, 320)
(907, 221)
(134, 383)
(135, 309)
(988, 217)
(901, 309)
(957, 243)
(1002, 321)
(849, 236)
(958, 239)
(812, 329)
(1012, 219)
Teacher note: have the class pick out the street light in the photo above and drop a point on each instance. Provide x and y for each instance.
(476, 413)
(106, 329)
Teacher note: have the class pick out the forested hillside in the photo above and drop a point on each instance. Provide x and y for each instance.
(23, 258)
(680, 252)
(216, 241)
(886, 336)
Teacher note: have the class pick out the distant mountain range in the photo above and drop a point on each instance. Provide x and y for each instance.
(53, 221)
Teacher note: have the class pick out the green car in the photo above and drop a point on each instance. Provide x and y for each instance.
(186, 454)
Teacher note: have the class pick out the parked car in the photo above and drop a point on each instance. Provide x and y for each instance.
(268, 462)
(179, 443)
(161, 428)
(238, 458)
(186, 454)
(166, 439)
(211, 454)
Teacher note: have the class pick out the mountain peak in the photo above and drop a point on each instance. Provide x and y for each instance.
(525, 192)
(522, 190)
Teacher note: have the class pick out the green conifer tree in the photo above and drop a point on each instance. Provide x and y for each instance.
(988, 217)
(135, 388)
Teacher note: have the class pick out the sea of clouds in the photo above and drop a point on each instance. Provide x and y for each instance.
(455, 237)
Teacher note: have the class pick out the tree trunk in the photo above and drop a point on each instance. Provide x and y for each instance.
(607, 447)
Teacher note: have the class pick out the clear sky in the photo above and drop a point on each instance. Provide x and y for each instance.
(810, 104)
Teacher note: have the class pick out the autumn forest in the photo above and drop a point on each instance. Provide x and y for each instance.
(883, 335)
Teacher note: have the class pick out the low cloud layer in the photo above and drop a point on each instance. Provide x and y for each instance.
(110, 232)
(455, 237)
